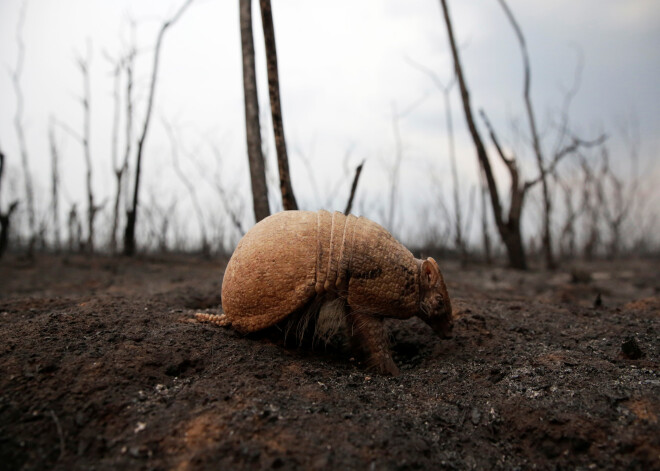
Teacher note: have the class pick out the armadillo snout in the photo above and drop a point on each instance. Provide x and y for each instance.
(441, 323)
(435, 309)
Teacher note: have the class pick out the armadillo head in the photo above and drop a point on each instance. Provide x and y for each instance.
(434, 305)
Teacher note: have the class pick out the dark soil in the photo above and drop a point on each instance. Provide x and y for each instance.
(102, 366)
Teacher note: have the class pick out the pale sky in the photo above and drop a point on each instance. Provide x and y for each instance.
(343, 69)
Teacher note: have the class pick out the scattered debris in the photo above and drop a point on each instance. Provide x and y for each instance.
(598, 302)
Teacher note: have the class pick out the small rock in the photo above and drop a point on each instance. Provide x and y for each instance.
(630, 348)
(476, 416)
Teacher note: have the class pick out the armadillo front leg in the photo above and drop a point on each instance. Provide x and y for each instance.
(368, 332)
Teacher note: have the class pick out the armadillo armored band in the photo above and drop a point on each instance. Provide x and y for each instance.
(287, 259)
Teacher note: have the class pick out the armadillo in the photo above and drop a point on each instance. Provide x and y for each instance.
(292, 260)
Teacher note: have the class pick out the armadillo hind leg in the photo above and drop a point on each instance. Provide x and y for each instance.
(368, 333)
(217, 319)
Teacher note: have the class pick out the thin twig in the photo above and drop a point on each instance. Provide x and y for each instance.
(358, 171)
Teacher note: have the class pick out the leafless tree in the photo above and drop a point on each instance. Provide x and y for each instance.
(485, 232)
(84, 140)
(55, 184)
(509, 227)
(174, 144)
(122, 66)
(92, 207)
(5, 218)
(288, 197)
(75, 230)
(509, 230)
(158, 220)
(568, 232)
(590, 208)
(234, 211)
(446, 88)
(18, 125)
(131, 216)
(615, 201)
(252, 127)
(536, 142)
(394, 170)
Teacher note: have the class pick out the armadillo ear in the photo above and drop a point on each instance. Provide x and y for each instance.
(430, 272)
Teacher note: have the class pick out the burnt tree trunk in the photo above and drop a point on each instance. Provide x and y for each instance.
(252, 128)
(509, 230)
(131, 215)
(18, 125)
(5, 218)
(92, 208)
(55, 185)
(536, 142)
(288, 198)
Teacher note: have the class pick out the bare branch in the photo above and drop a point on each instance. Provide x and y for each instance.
(18, 125)
(129, 235)
(174, 144)
(572, 148)
(349, 204)
(432, 75)
(509, 162)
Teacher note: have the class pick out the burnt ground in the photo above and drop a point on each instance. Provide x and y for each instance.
(102, 366)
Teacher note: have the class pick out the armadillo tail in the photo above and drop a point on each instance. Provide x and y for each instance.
(217, 319)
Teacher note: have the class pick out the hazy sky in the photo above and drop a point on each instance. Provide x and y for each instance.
(344, 68)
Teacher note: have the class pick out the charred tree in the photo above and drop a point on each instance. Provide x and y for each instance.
(288, 198)
(568, 234)
(131, 216)
(55, 186)
(75, 230)
(536, 142)
(483, 192)
(190, 187)
(252, 127)
(509, 229)
(92, 208)
(234, 212)
(5, 218)
(18, 126)
(589, 205)
(123, 66)
(509, 226)
(459, 230)
(84, 140)
(615, 204)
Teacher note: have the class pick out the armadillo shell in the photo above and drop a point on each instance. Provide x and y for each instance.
(272, 272)
(288, 258)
